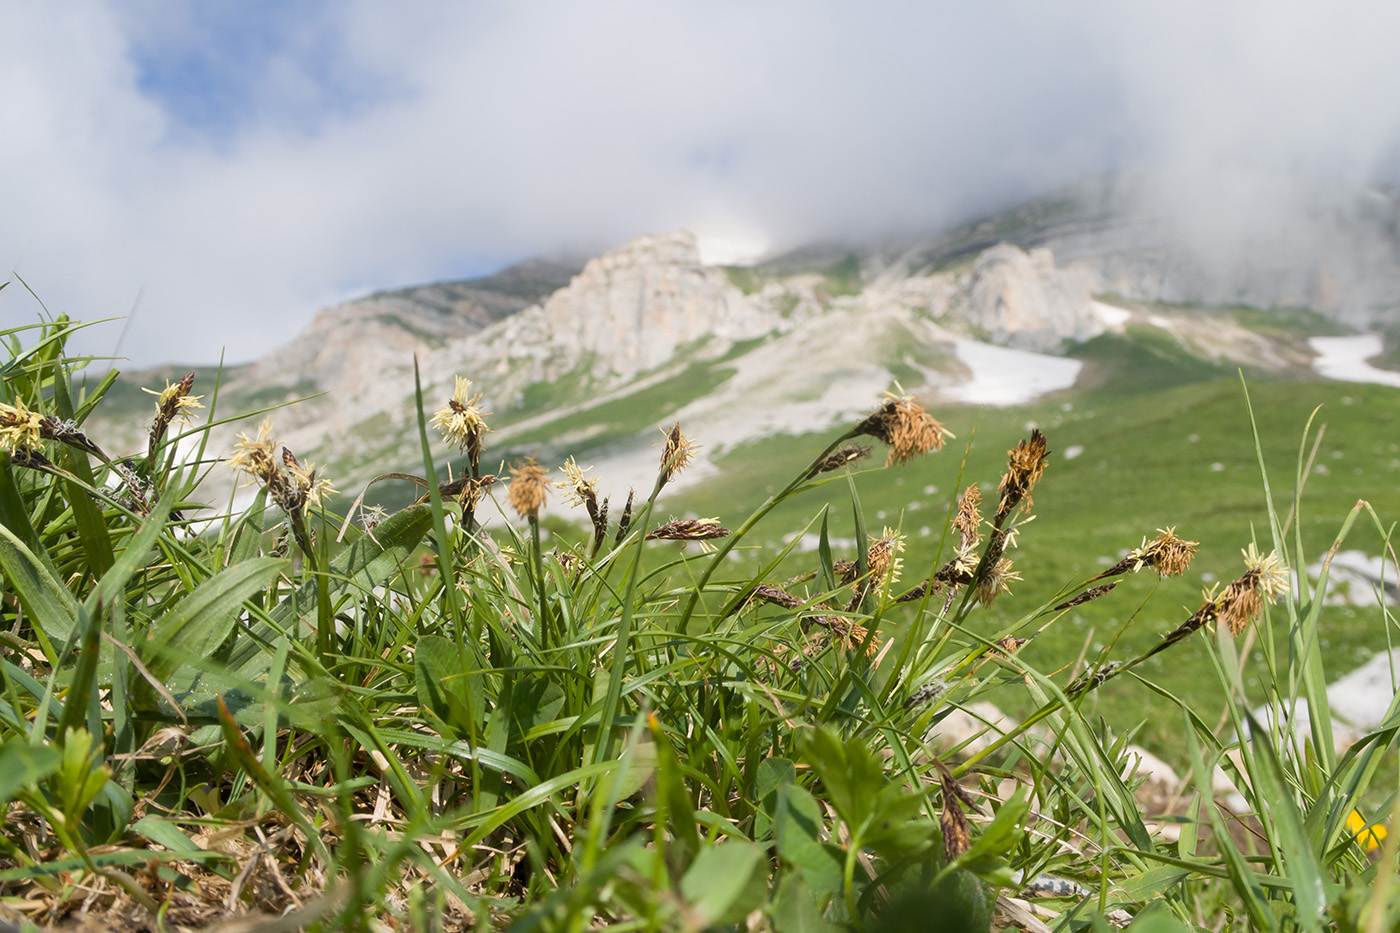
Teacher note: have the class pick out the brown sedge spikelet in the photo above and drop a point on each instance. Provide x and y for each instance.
(1265, 579)
(1085, 597)
(843, 456)
(1025, 464)
(528, 488)
(311, 488)
(689, 529)
(625, 522)
(1166, 554)
(995, 579)
(849, 635)
(845, 570)
(882, 556)
(580, 489)
(968, 520)
(901, 423)
(767, 593)
(676, 454)
(174, 404)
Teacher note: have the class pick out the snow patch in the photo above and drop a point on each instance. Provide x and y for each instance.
(1109, 315)
(1001, 376)
(1344, 359)
(1161, 322)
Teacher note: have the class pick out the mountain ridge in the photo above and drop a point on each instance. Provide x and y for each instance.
(647, 332)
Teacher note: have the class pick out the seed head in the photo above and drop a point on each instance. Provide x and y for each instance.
(625, 522)
(1085, 597)
(528, 488)
(849, 635)
(578, 488)
(1025, 464)
(461, 420)
(21, 429)
(676, 454)
(902, 423)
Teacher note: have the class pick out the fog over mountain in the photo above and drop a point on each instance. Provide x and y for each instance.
(228, 169)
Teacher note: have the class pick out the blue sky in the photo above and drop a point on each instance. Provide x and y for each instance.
(228, 168)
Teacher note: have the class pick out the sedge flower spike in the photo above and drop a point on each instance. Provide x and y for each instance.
(901, 423)
(461, 420)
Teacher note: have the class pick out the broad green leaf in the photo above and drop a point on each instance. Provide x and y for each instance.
(534, 701)
(444, 687)
(46, 601)
(202, 619)
(22, 764)
(726, 882)
(794, 908)
(772, 774)
(798, 830)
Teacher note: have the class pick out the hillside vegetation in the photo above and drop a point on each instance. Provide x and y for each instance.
(360, 720)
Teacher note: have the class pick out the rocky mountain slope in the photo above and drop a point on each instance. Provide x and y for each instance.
(590, 360)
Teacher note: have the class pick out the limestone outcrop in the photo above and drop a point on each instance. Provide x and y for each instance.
(633, 307)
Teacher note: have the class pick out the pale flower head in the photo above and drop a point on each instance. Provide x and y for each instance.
(21, 429)
(174, 404)
(461, 420)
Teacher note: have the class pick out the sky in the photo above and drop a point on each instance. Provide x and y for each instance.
(213, 173)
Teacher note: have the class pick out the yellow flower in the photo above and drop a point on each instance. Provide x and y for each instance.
(1369, 836)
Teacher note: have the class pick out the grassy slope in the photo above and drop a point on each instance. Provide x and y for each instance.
(1183, 456)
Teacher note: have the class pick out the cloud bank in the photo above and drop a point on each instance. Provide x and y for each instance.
(229, 170)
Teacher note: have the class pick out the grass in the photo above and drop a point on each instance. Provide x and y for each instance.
(1147, 461)
(417, 724)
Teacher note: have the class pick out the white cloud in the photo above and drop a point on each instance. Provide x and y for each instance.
(383, 145)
